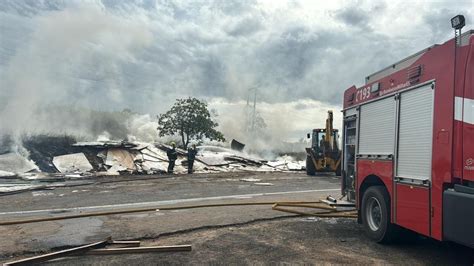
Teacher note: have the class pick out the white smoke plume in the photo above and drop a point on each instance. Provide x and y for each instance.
(45, 70)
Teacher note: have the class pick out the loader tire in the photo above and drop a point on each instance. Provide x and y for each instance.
(310, 169)
(375, 214)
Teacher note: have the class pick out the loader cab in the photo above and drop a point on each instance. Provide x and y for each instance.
(320, 142)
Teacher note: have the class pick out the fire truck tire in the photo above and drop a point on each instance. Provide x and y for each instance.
(375, 214)
(310, 169)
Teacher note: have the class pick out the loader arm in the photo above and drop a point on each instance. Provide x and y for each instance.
(329, 130)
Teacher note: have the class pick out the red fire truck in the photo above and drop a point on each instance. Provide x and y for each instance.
(408, 144)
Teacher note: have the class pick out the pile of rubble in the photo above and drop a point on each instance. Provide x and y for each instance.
(118, 157)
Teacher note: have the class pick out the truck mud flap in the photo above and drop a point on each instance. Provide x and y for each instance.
(458, 217)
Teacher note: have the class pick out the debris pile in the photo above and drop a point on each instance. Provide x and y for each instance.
(117, 157)
(98, 158)
(287, 163)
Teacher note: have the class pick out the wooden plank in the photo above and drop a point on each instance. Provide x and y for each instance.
(58, 254)
(126, 243)
(327, 214)
(112, 251)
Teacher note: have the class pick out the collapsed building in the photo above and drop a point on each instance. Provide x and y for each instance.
(64, 156)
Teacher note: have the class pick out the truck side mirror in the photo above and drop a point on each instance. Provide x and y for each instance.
(308, 135)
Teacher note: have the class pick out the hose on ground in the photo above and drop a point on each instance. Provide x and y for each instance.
(329, 210)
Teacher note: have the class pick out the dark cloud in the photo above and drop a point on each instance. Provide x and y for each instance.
(289, 55)
(354, 17)
(212, 77)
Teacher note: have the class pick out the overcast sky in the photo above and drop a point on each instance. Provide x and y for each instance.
(111, 55)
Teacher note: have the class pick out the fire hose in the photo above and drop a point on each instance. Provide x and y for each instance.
(328, 211)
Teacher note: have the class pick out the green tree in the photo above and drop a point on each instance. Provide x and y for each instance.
(191, 119)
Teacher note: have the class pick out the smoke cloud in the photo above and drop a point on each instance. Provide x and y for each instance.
(73, 66)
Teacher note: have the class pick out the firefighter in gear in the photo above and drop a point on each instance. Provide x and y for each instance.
(172, 156)
(191, 156)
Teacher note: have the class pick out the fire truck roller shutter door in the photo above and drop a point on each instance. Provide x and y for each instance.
(350, 112)
(377, 127)
(415, 133)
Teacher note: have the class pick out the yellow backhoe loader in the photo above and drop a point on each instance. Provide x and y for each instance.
(324, 154)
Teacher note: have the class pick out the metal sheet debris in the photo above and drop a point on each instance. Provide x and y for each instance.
(16, 163)
(6, 174)
(296, 166)
(119, 159)
(151, 167)
(212, 160)
(276, 163)
(106, 144)
(72, 163)
(236, 145)
(245, 160)
(152, 152)
(116, 169)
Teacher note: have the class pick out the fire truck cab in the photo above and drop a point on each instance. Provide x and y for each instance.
(408, 145)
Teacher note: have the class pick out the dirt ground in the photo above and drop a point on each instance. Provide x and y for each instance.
(286, 241)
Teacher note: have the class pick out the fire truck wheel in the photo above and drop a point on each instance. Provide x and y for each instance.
(310, 169)
(376, 214)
